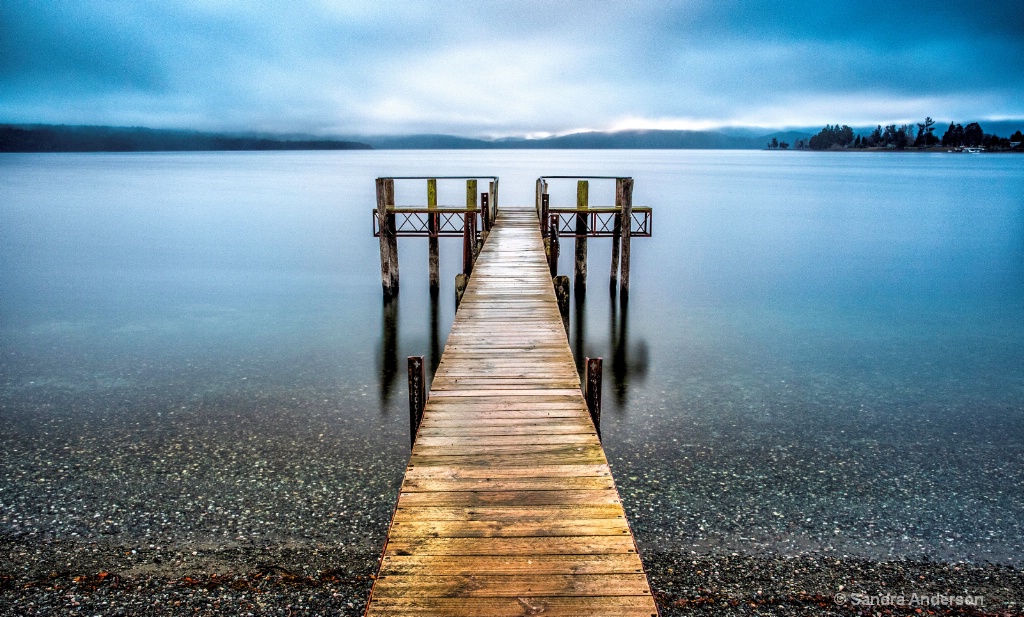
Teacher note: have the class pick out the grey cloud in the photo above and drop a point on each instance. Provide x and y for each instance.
(500, 67)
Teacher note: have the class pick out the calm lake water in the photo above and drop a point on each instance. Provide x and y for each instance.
(821, 352)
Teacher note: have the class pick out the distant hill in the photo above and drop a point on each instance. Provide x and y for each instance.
(652, 140)
(50, 138)
(59, 138)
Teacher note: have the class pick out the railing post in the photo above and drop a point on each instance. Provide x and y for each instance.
(593, 392)
(417, 395)
(433, 248)
(553, 241)
(582, 202)
(627, 224)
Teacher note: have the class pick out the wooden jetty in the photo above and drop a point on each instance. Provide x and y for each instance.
(508, 506)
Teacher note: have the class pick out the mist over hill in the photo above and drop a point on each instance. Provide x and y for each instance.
(60, 138)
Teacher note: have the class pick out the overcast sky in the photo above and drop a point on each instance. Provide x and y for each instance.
(488, 68)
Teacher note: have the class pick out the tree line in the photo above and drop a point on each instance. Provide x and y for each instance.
(904, 136)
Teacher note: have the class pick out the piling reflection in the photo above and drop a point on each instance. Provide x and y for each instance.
(627, 362)
(389, 349)
(435, 338)
(579, 320)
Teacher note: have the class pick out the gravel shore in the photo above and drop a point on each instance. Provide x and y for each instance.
(84, 579)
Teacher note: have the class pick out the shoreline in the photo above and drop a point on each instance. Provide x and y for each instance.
(42, 578)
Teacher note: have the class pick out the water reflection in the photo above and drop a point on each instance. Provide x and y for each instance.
(579, 320)
(626, 362)
(389, 349)
(435, 338)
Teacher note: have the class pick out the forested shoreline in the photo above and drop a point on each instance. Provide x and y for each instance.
(908, 136)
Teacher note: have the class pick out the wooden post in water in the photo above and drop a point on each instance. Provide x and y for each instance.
(485, 214)
(492, 189)
(562, 297)
(592, 392)
(627, 224)
(582, 202)
(417, 395)
(388, 241)
(471, 194)
(553, 242)
(433, 223)
(460, 289)
(545, 208)
(389, 196)
(544, 227)
(613, 280)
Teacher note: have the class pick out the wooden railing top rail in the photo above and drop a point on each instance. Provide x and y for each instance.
(598, 209)
(440, 177)
(427, 209)
(583, 177)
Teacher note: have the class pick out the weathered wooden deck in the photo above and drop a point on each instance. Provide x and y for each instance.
(508, 506)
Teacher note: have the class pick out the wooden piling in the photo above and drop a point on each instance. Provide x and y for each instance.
(389, 196)
(553, 242)
(485, 213)
(493, 190)
(460, 288)
(561, 284)
(545, 207)
(627, 223)
(613, 280)
(580, 271)
(592, 392)
(388, 241)
(474, 246)
(417, 395)
(433, 248)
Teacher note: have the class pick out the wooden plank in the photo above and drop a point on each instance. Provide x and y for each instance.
(512, 585)
(508, 513)
(507, 484)
(538, 471)
(521, 547)
(508, 498)
(396, 565)
(511, 529)
(602, 606)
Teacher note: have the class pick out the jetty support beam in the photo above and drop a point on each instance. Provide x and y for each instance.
(592, 391)
(417, 395)
(580, 272)
(388, 236)
(624, 199)
(433, 249)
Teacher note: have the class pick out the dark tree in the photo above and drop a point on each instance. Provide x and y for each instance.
(783, 145)
(954, 137)
(832, 136)
(875, 138)
(973, 135)
(925, 133)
